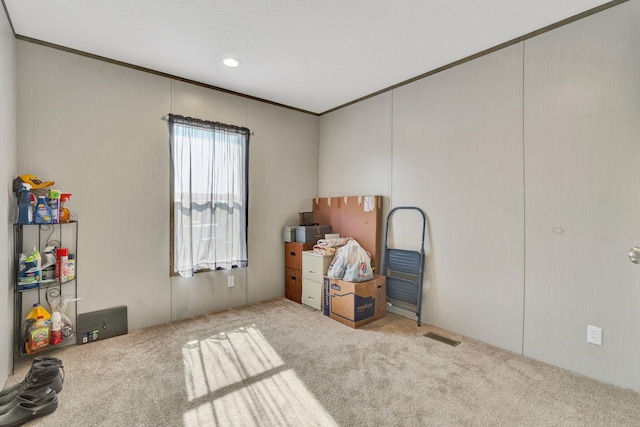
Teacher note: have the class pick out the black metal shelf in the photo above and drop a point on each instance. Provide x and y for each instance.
(45, 285)
(39, 236)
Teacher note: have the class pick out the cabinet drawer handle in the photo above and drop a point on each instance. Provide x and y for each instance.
(293, 277)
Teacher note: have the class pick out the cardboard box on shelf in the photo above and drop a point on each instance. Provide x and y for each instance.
(311, 233)
(355, 304)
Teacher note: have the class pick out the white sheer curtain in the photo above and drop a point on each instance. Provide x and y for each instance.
(210, 194)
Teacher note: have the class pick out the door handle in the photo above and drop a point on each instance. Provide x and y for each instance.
(634, 255)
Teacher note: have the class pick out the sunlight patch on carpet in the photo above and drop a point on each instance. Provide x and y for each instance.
(237, 378)
(225, 359)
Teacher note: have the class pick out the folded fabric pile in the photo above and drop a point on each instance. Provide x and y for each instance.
(330, 246)
(35, 396)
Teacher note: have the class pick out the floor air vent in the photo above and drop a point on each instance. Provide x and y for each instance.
(442, 339)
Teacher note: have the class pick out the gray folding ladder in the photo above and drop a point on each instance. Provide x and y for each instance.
(404, 270)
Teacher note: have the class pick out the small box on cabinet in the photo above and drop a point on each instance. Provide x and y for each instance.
(289, 233)
(311, 233)
(305, 218)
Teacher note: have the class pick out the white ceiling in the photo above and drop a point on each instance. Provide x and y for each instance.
(311, 55)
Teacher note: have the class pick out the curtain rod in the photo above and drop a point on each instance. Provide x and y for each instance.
(165, 118)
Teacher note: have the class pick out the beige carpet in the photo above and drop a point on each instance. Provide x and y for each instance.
(280, 364)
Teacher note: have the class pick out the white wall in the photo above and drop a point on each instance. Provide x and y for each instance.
(582, 139)
(428, 145)
(493, 151)
(95, 128)
(283, 177)
(8, 162)
(284, 156)
(355, 155)
(457, 154)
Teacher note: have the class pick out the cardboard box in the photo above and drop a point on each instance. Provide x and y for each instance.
(355, 304)
(311, 233)
(289, 233)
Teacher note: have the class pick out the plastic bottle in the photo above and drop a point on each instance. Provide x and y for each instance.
(56, 328)
(38, 335)
(61, 265)
(42, 214)
(38, 329)
(25, 211)
(65, 215)
(71, 267)
(38, 311)
(53, 200)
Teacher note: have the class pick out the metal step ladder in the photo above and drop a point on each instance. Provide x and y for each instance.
(404, 270)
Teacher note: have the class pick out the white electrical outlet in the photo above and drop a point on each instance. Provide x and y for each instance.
(594, 335)
(230, 281)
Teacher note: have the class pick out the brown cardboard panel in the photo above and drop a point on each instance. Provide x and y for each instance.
(362, 226)
(326, 210)
(347, 216)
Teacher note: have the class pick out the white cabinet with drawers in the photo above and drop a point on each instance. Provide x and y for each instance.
(314, 268)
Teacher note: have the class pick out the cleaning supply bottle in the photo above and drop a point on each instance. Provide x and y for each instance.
(42, 214)
(25, 211)
(38, 311)
(56, 328)
(71, 267)
(37, 328)
(53, 200)
(38, 336)
(65, 215)
(62, 264)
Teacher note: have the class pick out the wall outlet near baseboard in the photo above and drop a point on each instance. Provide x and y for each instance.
(594, 335)
(230, 281)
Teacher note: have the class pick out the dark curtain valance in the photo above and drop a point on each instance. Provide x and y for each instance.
(205, 124)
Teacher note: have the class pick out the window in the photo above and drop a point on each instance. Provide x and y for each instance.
(209, 165)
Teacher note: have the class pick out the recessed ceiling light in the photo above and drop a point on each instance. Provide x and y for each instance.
(231, 62)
